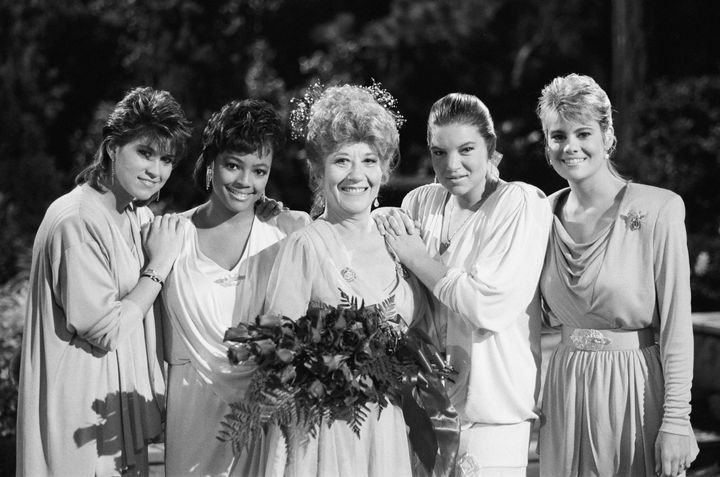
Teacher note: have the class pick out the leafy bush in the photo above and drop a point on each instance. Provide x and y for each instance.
(705, 272)
(13, 296)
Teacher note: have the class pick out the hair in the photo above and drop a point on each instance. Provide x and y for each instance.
(243, 127)
(577, 98)
(143, 112)
(461, 108)
(344, 115)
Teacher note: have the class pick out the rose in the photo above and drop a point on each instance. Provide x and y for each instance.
(371, 322)
(237, 333)
(264, 350)
(350, 339)
(238, 353)
(316, 389)
(284, 355)
(332, 362)
(269, 320)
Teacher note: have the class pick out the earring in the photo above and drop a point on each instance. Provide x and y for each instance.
(157, 196)
(209, 176)
(112, 171)
(376, 203)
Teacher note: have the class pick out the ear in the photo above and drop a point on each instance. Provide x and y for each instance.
(111, 149)
(608, 137)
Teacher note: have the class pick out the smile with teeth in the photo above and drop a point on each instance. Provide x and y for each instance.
(573, 161)
(354, 189)
(149, 182)
(237, 195)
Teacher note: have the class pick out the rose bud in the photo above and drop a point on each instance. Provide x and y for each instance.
(316, 389)
(238, 353)
(237, 333)
(285, 355)
(269, 320)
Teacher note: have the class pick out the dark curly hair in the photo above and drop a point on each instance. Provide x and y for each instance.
(247, 126)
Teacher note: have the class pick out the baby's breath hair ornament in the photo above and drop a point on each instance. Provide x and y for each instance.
(300, 115)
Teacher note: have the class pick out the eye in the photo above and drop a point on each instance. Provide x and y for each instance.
(261, 172)
(466, 149)
(557, 137)
(370, 160)
(231, 166)
(584, 135)
(437, 152)
(341, 161)
(167, 160)
(146, 153)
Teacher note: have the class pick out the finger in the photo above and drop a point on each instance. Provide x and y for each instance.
(658, 460)
(382, 224)
(407, 222)
(396, 225)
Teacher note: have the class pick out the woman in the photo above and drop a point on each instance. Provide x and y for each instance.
(352, 143)
(91, 387)
(220, 279)
(615, 278)
(481, 252)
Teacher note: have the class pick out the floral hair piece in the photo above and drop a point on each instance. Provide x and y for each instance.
(300, 115)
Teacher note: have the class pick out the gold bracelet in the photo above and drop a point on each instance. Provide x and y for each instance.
(152, 275)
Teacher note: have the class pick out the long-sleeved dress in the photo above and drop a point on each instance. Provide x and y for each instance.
(309, 268)
(91, 387)
(603, 409)
(201, 300)
(488, 303)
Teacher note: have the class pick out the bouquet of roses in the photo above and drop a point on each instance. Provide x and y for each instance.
(327, 365)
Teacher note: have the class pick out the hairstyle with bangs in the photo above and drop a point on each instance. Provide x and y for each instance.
(345, 115)
(577, 98)
(243, 127)
(143, 112)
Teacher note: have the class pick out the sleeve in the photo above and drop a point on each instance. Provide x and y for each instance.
(291, 220)
(672, 285)
(498, 288)
(290, 284)
(87, 291)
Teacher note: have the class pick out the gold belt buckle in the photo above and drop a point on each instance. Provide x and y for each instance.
(589, 340)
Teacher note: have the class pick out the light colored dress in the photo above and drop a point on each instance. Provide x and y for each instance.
(91, 386)
(201, 300)
(308, 268)
(488, 305)
(603, 409)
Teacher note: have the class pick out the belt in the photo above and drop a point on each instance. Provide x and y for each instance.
(587, 339)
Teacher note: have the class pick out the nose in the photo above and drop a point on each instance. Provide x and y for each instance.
(153, 168)
(453, 161)
(355, 173)
(571, 145)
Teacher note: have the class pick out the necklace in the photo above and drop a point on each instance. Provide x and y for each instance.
(445, 244)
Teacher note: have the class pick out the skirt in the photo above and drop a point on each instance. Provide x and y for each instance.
(601, 412)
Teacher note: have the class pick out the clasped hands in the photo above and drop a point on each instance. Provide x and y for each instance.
(401, 233)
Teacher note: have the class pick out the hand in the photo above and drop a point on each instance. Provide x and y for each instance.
(162, 242)
(405, 245)
(392, 219)
(674, 453)
(267, 208)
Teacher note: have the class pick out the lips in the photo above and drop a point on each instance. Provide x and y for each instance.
(573, 161)
(148, 182)
(354, 190)
(239, 195)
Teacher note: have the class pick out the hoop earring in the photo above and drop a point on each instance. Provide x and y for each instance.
(209, 176)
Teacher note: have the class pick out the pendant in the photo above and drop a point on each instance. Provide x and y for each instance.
(444, 246)
(348, 274)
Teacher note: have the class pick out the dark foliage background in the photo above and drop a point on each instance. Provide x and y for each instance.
(64, 63)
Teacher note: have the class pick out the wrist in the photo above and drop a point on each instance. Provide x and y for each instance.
(154, 275)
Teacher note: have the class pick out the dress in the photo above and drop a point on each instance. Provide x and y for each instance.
(201, 300)
(307, 268)
(488, 303)
(91, 386)
(603, 409)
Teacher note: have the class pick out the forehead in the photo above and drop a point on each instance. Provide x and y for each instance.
(359, 148)
(454, 134)
(264, 156)
(560, 124)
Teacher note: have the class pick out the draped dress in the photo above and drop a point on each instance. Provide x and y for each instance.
(201, 300)
(603, 409)
(308, 268)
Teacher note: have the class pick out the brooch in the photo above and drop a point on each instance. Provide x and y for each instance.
(634, 219)
(348, 274)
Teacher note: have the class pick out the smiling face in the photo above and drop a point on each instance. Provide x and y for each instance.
(351, 180)
(239, 179)
(577, 150)
(142, 166)
(460, 160)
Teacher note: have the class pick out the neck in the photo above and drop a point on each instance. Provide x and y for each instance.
(352, 224)
(116, 198)
(597, 190)
(213, 215)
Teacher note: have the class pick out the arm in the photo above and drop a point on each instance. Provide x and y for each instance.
(86, 286)
(675, 444)
(499, 285)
